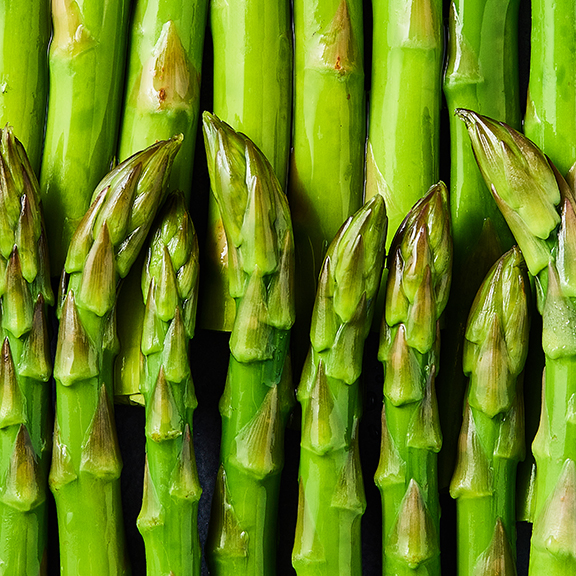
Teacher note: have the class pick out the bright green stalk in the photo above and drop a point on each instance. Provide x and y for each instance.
(540, 210)
(419, 264)
(327, 165)
(162, 99)
(24, 37)
(405, 96)
(492, 436)
(331, 498)
(25, 366)
(252, 93)
(481, 74)
(86, 63)
(86, 465)
(258, 393)
(550, 120)
(168, 518)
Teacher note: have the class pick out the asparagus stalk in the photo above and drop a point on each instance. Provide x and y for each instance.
(162, 99)
(481, 74)
(540, 210)
(402, 159)
(25, 366)
(253, 93)
(327, 163)
(331, 491)
(86, 464)
(168, 518)
(86, 64)
(550, 120)
(258, 394)
(419, 264)
(492, 436)
(24, 38)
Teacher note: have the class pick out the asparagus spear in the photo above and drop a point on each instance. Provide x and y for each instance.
(253, 93)
(86, 64)
(258, 393)
(540, 209)
(162, 99)
(492, 436)
(168, 518)
(86, 464)
(419, 264)
(331, 491)
(25, 366)
(481, 74)
(327, 163)
(24, 37)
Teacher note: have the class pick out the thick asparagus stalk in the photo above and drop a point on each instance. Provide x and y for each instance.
(168, 519)
(162, 99)
(419, 263)
(540, 210)
(550, 120)
(86, 63)
(331, 497)
(252, 93)
(86, 464)
(25, 366)
(492, 436)
(258, 393)
(24, 37)
(481, 74)
(327, 164)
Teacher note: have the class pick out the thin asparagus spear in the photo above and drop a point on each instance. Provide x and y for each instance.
(162, 99)
(258, 393)
(331, 498)
(481, 74)
(86, 464)
(419, 263)
(252, 93)
(492, 436)
(327, 163)
(24, 37)
(25, 366)
(550, 120)
(168, 518)
(86, 63)
(540, 209)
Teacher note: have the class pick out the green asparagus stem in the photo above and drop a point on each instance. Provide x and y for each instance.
(168, 519)
(25, 366)
(550, 120)
(258, 393)
(24, 37)
(162, 99)
(419, 264)
(253, 93)
(492, 436)
(327, 164)
(540, 209)
(331, 499)
(86, 64)
(481, 74)
(86, 464)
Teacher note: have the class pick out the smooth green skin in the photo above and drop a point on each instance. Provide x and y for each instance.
(550, 119)
(24, 37)
(327, 162)
(144, 121)
(405, 97)
(255, 500)
(86, 83)
(252, 93)
(482, 75)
